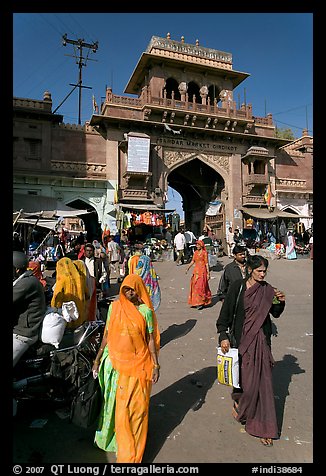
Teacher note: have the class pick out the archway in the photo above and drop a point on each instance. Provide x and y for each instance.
(172, 86)
(92, 225)
(198, 184)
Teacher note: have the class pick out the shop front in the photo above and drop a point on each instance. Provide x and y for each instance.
(263, 227)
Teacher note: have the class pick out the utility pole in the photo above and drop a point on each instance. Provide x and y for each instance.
(80, 45)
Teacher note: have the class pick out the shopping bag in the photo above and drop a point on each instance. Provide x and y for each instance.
(228, 367)
(86, 405)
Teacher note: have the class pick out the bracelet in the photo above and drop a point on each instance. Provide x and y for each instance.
(157, 366)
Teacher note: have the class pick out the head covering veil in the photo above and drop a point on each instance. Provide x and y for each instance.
(127, 338)
(202, 245)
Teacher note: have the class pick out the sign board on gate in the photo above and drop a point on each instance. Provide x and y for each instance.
(138, 154)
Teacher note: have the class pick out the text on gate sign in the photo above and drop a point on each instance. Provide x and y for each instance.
(197, 145)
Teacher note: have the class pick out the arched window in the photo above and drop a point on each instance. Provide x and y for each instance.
(193, 89)
(172, 85)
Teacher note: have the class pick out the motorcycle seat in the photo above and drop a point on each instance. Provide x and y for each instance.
(72, 337)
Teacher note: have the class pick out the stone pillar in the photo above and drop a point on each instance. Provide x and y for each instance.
(203, 93)
(183, 90)
(234, 192)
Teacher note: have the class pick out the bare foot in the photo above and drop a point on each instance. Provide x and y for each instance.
(266, 441)
(235, 410)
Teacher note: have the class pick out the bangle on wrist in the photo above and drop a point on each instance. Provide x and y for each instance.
(157, 366)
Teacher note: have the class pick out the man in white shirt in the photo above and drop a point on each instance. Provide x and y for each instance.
(96, 276)
(113, 250)
(179, 245)
(190, 240)
(230, 241)
(95, 266)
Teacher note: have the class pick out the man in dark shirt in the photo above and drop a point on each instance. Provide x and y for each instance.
(74, 251)
(233, 271)
(29, 306)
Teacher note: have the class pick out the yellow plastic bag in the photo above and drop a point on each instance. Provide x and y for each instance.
(228, 367)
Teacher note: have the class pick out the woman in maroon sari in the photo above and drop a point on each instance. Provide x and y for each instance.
(200, 295)
(254, 404)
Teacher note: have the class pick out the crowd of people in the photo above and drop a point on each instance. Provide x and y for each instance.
(127, 362)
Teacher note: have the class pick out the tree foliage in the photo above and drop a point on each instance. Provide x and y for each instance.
(284, 133)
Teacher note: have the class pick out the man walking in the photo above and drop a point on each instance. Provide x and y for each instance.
(190, 240)
(97, 275)
(113, 251)
(233, 271)
(179, 245)
(230, 241)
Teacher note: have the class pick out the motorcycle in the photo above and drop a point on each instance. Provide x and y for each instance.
(49, 374)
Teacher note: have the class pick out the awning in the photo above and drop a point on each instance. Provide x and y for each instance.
(42, 206)
(214, 208)
(48, 224)
(266, 214)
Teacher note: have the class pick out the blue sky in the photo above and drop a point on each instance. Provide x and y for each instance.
(276, 49)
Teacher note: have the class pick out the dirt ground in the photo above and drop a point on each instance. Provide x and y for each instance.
(190, 413)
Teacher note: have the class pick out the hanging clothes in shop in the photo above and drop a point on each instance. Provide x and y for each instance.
(283, 231)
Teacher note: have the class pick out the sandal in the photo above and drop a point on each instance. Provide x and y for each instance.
(235, 410)
(266, 441)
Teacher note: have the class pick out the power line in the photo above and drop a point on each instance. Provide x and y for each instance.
(81, 27)
(290, 110)
(80, 44)
(291, 125)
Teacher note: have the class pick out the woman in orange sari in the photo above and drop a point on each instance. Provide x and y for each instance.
(200, 295)
(127, 366)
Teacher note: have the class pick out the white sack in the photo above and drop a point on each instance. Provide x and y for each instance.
(53, 328)
(70, 311)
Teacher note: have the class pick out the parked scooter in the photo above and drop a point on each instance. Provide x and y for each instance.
(46, 373)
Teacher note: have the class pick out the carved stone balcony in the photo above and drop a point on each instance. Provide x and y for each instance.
(213, 220)
(136, 186)
(134, 195)
(253, 200)
(137, 180)
(256, 179)
(147, 107)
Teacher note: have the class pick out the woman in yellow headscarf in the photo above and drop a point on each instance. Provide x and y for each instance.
(133, 261)
(127, 366)
(71, 285)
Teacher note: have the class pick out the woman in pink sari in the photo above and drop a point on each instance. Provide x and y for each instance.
(200, 295)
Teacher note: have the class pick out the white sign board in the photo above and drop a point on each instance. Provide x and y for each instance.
(138, 154)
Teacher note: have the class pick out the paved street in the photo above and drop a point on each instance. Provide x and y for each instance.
(190, 413)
